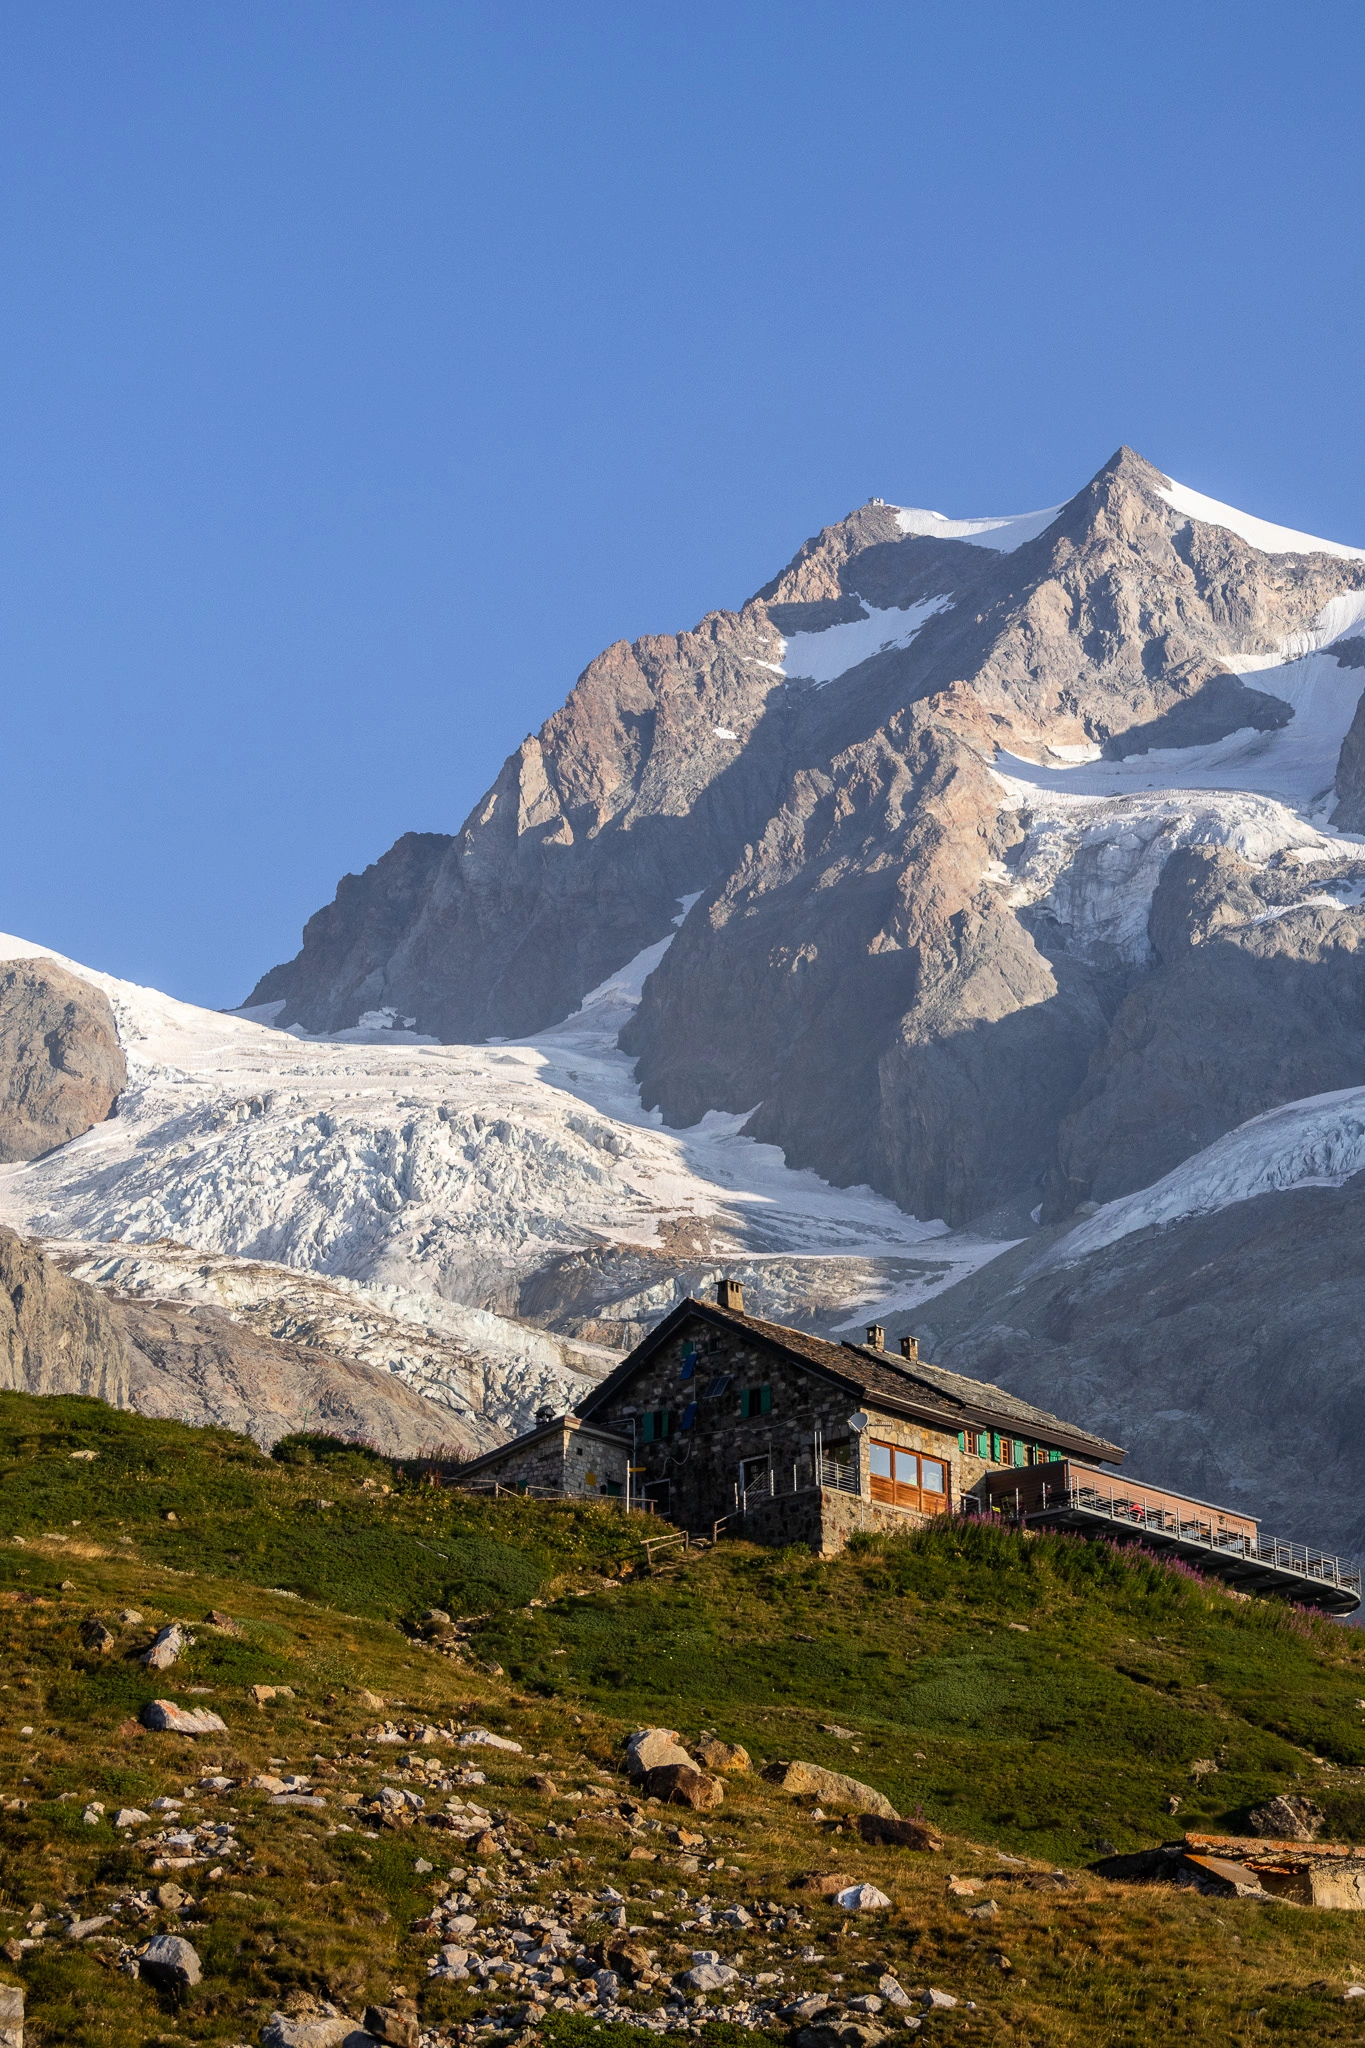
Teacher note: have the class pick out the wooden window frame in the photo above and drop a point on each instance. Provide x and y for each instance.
(894, 1491)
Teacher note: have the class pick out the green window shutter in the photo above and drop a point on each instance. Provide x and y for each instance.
(1020, 1452)
(647, 1428)
(765, 1400)
(962, 1439)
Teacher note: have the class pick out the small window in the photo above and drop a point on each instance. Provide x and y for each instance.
(655, 1425)
(718, 1387)
(689, 1416)
(756, 1401)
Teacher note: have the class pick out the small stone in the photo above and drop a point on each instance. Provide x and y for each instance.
(1354, 1991)
(95, 1636)
(421, 1866)
(987, 1910)
(167, 1717)
(86, 1456)
(861, 1898)
(480, 1738)
(709, 1976)
(79, 1929)
(1203, 1767)
(1173, 1802)
(94, 1813)
(130, 1817)
(171, 1960)
(940, 2001)
(891, 1990)
(129, 1618)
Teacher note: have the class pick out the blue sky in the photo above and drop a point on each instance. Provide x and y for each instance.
(368, 367)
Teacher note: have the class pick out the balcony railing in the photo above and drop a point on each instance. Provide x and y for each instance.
(1274, 1553)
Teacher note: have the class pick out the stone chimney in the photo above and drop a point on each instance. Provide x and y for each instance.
(910, 1347)
(876, 1336)
(545, 1415)
(730, 1294)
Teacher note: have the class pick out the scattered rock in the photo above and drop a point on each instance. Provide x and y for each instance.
(480, 1738)
(831, 1788)
(95, 1636)
(261, 1693)
(130, 1817)
(891, 1990)
(805, 2009)
(649, 1749)
(1204, 1767)
(94, 1813)
(1288, 1817)
(166, 1647)
(715, 1755)
(173, 1720)
(987, 1910)
(1174, 1802)
(682, 1785)
(899, 1834)
(317, 2031)
(627, 1957)
(861, 1898)
(170, 1960)
(940, 2001)
(129, 1618)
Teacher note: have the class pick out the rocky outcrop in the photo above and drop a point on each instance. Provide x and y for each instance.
(56, 1335)
(194, 1363)
(61, 1065)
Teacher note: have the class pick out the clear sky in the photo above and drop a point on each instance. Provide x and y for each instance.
(369, 365)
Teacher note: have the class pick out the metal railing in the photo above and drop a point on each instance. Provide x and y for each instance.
(1275, 1552)
(842, 1477)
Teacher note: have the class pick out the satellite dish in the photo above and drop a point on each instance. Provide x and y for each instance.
(859, 1422)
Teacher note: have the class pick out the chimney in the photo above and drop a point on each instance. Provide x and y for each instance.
(545, 1415)
(910, 1347)
(730, 1294)
(876, 1336)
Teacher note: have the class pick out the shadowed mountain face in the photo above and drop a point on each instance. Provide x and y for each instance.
(928, 954)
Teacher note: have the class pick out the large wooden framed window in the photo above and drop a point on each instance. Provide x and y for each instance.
(908, 1479)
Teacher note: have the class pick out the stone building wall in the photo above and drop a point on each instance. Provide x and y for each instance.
(694, 1474)
(569, 1460)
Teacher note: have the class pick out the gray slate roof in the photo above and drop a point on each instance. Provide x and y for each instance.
(914, 1387)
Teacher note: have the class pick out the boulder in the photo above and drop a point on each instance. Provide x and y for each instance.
(649, 1749)
(481, 1738)
(627, 1957)
(709, 1976)
(831, 1788)
(1288, 1817)
(95, 1636)
(11, 2016)
(173, 1720)
(715, 1755)
(395, 2025)
(171, 1961)
(317, 2031)
(165, 1648)
(861, 1898)
(681, 1785)
(899, 1834)
(841, 2034)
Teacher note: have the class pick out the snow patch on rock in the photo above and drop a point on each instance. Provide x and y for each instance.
(1318, 1142)
(823, 657)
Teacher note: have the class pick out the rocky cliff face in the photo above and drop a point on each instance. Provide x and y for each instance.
(929, 785)
(61, 1065)
(56, 1336)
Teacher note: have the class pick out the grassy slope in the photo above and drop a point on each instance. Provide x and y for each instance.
(1047, 1737)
